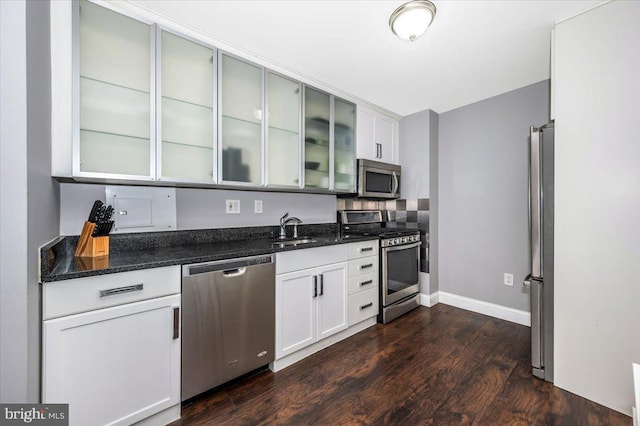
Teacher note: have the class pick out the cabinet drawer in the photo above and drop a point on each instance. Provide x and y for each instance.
(363, 265)
(363, 249)
(297, 260)
(363, 305)
(363, 282)
(86, 294)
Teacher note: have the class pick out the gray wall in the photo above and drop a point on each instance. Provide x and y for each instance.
(414, 155)
(434, 142)
(204, 208)
(419, 140)
(483, 195)
(31, 209)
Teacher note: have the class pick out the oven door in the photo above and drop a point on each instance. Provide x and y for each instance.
(399, 276)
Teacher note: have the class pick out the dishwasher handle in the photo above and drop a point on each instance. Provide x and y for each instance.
(234, 272)
(230, 268)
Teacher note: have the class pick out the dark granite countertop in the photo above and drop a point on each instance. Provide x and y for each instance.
(130, 252)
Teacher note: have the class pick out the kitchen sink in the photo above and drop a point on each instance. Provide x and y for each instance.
(292, 243)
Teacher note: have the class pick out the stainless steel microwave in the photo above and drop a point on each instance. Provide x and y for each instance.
(378, 180)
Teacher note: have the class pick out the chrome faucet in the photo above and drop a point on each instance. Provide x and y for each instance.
(286, 220)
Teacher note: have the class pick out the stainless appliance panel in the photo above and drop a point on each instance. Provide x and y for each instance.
(228, 321)
(389, 313)
(399, 275)
(535, 206)
(378, 180)
(540, 280)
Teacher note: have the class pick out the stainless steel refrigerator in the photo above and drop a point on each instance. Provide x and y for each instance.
(540, 280)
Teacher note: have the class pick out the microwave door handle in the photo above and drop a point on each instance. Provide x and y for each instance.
(396, 184)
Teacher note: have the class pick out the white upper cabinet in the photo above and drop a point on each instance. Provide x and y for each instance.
(136, 102)
(114, 135)
(377, 136)
(186, 108)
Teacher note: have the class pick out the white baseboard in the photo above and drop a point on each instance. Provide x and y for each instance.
(497, 311)
(429, 300)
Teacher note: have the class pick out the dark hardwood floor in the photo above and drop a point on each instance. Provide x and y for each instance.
(440, 366)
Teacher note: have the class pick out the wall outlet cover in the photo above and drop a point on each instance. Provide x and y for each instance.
(508, 279)
(232, 206)
(257, 204)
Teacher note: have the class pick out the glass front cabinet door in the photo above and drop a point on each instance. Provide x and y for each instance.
(115, 92)
(317, 138)
(241, 113)
(344, 149)
(283, 131)
(186, 108)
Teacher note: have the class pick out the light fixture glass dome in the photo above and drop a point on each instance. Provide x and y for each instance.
(412, 19)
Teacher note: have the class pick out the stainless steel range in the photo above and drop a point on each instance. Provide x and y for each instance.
(399, 260)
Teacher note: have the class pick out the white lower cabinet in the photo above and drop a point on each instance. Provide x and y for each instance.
(311, 304)
(116, 365)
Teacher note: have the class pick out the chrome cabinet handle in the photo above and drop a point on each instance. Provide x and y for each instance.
(368, 305)
(120, 290)
(176, 322)
(368, 265)
(321, 284)
(366, 249)
(366, 282)
(315, 286)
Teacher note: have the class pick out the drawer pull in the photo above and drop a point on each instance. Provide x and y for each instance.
(176, 322)
(366, 249)
(120, 290)
(368, 305)
(368, 265)
(366, 282)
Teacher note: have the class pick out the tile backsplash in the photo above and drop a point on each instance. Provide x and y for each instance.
(410, 213)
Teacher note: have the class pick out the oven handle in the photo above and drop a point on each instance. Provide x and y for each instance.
(402, 247)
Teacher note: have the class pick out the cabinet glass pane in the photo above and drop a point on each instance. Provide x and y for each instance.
(344, 116)
(187, 109)
(241, 110)
(317, 114)
(283, 132)
(115, 87)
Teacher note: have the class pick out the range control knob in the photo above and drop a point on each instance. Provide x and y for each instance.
(395, 241)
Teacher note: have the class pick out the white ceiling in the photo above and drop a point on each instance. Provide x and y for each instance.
(472, 51)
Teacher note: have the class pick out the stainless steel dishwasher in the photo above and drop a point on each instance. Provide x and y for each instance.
(228, 320)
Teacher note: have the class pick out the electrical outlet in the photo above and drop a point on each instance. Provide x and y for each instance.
(508, 279)
(257, 206)
(232, 206)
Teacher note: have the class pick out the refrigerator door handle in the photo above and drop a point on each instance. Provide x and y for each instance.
(537, 288)
(535, 203)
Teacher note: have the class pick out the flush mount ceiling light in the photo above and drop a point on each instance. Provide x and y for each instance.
(412, 19)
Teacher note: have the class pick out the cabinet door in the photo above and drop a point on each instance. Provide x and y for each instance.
(332, 299)
(283, 131)
(295, 311)
(385, 135)
(317, 138)
(344, 146)
(241, 107)
(115, 365)
(366, 144)
(115, 133)
(186, 109)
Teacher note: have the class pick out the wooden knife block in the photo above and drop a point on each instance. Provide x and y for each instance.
(89, 246)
